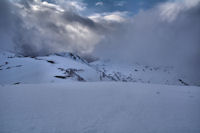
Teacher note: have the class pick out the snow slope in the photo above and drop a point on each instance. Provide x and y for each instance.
(47, 69)
(65, 67)
(141, 73)
(103, 107)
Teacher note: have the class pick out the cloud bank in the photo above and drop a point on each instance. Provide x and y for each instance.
(168, 34)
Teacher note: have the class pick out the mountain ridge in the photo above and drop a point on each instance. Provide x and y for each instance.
(64, 67)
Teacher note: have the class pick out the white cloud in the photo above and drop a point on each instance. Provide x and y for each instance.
(110, 17)
(170, 10)
(76, 5)
(80, 6)
(100, 3)
(41, 6)
(120, 3)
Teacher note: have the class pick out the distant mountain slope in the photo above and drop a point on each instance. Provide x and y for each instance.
(53, 68)
(64, 67)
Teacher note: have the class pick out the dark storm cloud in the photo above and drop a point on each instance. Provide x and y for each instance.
(38, 28)
(73, 17)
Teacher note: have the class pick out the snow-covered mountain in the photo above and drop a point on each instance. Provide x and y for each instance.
(64, 67)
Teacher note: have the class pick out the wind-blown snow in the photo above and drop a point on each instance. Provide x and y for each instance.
(99, 108)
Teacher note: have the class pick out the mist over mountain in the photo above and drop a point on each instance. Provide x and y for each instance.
(166, 34)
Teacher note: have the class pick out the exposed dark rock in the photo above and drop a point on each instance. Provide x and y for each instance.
(6, 63)
(18, 66)
(71, 73)
(61, 77)
(184, 83)
(8, 68)
(50, 61)
(17, 83)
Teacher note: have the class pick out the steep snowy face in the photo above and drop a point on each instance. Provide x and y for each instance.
(65, 67)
